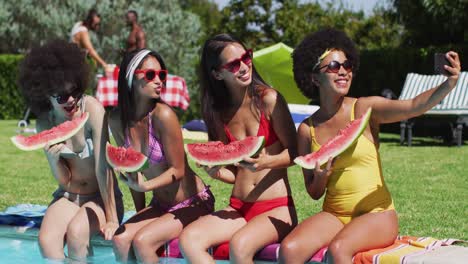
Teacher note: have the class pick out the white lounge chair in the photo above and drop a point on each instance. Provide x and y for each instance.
(453, 107)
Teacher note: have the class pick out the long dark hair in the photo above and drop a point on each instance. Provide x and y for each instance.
(88, 21)
(126, 106)
(215, 97)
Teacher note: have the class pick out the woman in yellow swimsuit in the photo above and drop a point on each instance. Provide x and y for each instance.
(358, 212)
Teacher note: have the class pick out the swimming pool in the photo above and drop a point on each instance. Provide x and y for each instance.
(20, 247)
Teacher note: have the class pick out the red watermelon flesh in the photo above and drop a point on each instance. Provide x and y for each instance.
(52, 136)
(217, 153)
(125, 159)
(337, 145)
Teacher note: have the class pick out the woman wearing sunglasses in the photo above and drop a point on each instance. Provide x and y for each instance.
(358, 212)
(53, 79)
(145, 123)
(237, 103)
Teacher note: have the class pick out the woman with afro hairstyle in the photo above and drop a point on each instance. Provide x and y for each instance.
(236, 104)
(144, 122)
(53, 79)
(357, 204)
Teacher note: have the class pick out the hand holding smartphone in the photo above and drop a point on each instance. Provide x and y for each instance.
(439, 61)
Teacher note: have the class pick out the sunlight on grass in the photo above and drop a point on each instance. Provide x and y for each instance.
(428, 183)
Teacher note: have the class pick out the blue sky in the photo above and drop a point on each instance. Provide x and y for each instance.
(366, 5)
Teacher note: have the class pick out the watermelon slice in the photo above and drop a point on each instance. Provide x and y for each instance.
(337, 145)
(52, 136)
(125, 159)
(217, 153)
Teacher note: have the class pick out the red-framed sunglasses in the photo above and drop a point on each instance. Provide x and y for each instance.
(335, 66)
(151, 74)
(63, 98)
(234, 66)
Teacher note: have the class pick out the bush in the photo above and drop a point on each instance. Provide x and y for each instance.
(11, 101)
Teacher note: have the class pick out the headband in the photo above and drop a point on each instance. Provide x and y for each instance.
(133, 65)
(324, 54)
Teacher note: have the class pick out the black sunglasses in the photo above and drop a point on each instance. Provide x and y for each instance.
(335, 66)
(63, 98)
(151, 74)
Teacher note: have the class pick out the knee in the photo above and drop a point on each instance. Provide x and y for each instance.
(339, 249)
(289, 247)
(240, 247)
(188, 237)
(77, 234)
(122, 240)
(141, 241)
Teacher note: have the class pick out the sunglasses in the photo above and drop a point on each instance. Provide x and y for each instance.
(151, 74)
(335, 66)
(63, 98)
(234, 65)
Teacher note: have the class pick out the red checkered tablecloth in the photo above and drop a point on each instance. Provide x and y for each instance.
(175, 94)
(106, 91)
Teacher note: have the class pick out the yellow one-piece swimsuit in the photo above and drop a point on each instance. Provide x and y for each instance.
(356, 185)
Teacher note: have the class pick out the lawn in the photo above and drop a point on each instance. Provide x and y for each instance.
(428, 182)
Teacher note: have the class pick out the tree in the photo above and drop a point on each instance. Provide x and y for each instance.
(433, 22)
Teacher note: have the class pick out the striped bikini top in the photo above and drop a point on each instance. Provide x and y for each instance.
(155, 150)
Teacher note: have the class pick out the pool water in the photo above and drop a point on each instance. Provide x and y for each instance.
(20, 247)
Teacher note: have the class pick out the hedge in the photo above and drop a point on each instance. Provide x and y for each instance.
(12, 104)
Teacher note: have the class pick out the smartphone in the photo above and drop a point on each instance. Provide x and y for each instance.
(439, 61)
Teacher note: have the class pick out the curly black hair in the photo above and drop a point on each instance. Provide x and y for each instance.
(46, 69)
(306, 55)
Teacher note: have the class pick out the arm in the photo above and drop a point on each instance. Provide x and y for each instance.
(139, 199)
(283, 125)
(105, 175)
(141, 41)
(58, 165)
(224, 174)
(315, 180)
(388, 111)
(86, 43)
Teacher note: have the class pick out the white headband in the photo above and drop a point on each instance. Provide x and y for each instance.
(133, 65)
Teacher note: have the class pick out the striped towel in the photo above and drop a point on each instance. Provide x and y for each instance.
(402, 251)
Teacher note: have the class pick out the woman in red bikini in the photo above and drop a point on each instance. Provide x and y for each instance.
(237, 103)
(150, 126)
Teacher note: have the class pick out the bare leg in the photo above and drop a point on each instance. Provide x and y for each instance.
(208, 231)
(122, 240)
(154, 235)
(381, 227)
(84, 224)
(54, 226)
(308, 237)
(262, 230)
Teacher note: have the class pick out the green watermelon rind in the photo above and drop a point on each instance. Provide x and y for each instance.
(21, 146)
(256, 149)
(140, 166)
(311, 165)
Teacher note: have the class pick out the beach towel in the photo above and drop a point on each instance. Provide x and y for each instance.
(403, 251)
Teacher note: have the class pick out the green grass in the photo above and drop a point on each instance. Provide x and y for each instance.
(428, 182)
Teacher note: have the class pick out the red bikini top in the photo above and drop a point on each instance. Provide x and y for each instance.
(264, 129)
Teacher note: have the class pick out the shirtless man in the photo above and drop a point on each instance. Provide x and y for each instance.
(136, 38)
(80, 35)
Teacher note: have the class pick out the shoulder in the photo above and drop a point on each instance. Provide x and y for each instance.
(272, 98)
(93, 106)
(363, 103)
(164, 114)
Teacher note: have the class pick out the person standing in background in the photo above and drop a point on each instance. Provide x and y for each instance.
(136, 38)
(80, 35)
